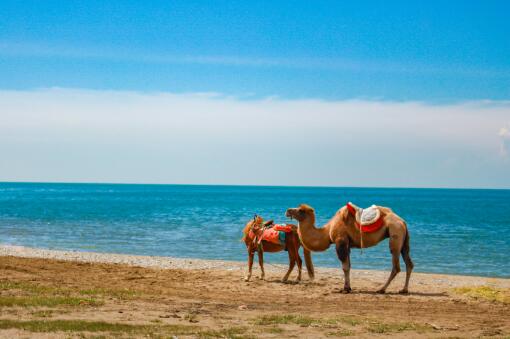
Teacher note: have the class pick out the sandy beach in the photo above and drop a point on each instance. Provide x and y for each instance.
(46, 293)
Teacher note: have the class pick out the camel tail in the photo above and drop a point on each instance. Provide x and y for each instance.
(309, 263)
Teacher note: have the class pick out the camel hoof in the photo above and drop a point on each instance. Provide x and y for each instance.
(246, 279)
(403, 291)
(347, 290)
(381, 291)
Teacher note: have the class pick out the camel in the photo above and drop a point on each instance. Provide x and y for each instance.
(345, 234)
(251, 236)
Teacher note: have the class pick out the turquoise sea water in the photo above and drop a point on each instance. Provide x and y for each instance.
(452, 231)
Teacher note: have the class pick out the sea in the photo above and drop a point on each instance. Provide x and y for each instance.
(453, 231)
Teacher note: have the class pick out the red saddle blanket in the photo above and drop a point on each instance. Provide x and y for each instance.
(271, 235)
(275, 234)
(283, 228)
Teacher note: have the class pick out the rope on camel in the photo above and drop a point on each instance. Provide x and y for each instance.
(361, 237)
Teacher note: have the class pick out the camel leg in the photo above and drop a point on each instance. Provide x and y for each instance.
(299, 264)
(261, 263)
(251, 254)
(292, 262)
(409, 263)
(395, 249)
(295, 249)
(343, 251)
(309, 264)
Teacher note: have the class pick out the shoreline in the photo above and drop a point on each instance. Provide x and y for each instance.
(434, 281)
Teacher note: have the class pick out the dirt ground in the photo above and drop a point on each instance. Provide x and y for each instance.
(50, 298)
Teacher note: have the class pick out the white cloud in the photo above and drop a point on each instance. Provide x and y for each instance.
(42, 49)
(120, 136)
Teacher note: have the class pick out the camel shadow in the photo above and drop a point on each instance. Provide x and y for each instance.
(373, 292)
(288, 282)
(277, 281)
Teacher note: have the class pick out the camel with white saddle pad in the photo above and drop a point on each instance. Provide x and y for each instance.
(353, 226)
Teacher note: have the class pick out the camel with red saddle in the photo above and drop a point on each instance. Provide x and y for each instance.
(260, 237)
(351, 227)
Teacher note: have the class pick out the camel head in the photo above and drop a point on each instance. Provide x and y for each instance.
(301, 213)
(257, 220)
(255, 225)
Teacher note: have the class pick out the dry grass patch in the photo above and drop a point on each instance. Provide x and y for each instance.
(47, 313)
(371, 326)
(47, 301)
(231, 333)
(333, 324)
(341, 333)
(29, 294)
(121, 294)
(485, 293)
(305, 321)
(43, 313)
(273, 329)
(277, 319)
(25, 294)
(30, 288)
(51, 326)
(378, 327)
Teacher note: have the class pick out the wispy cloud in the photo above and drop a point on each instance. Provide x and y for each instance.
(118, 136)
(307, 63)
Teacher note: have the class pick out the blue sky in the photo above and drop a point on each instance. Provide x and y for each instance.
(438, 73)
(399, 50)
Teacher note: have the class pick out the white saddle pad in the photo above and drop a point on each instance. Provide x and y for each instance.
(366, 216)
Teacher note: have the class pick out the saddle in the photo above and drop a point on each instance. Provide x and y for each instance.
(283, 228)
(272, 235)
(275, 233)
(367, 219)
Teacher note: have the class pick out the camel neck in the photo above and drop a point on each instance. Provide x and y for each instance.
(313, 238)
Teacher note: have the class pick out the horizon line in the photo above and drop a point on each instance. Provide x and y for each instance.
(253, 185)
